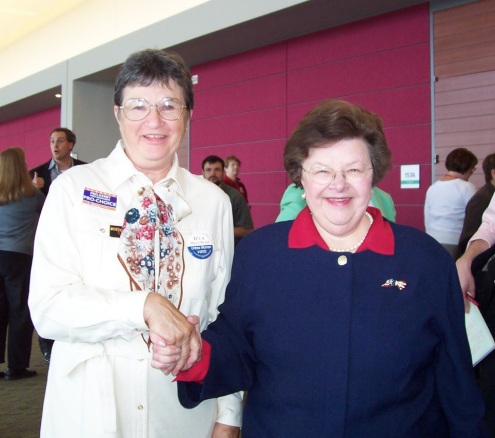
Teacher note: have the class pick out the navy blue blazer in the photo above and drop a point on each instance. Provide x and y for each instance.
(326, 350)
(44, 172)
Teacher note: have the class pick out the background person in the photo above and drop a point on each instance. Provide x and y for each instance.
(231, 178)
(481, 246)
(20, 207)
(478, 204)
(446, 199)
(213, 171)
(330, 321)
(62, 142)
(141, 242)
(481, 241)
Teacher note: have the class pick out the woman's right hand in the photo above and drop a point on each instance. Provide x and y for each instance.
(38, 182)
(177, 339)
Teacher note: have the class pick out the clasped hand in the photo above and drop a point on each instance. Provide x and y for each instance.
(176, 339)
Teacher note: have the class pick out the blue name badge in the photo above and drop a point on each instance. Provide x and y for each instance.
(200, 246)
(99, 199)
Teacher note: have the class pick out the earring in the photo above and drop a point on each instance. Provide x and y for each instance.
(303, 195)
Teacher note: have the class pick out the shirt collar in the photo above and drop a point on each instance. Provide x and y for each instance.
(225, 177)
(53, 164)
(380, 238)
(122, 170)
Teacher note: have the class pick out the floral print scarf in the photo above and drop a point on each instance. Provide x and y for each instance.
(151, 248)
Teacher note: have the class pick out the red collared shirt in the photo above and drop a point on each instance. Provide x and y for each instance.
(379, 239)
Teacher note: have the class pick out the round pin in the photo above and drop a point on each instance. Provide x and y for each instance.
(200, 246)
(342, 260)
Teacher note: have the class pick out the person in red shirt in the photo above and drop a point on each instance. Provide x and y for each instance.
(232, 168)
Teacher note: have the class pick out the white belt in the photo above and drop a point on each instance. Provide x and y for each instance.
(102, 353)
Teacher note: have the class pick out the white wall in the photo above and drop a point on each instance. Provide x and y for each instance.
(93, 23)
(99, 22)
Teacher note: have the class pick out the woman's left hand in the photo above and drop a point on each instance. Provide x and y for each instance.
(165, 357)
(224, 431)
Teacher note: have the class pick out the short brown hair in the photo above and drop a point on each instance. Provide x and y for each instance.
(231, 158)
(460, 160)
(212, 159)
(329, 122)
(69, 135)
(152, 66)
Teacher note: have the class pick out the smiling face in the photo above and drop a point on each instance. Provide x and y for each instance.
(338, 207)
(151, 143)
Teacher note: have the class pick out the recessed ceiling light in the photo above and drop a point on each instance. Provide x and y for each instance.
(58, 95)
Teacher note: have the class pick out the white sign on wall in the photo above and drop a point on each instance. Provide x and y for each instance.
(409, 176)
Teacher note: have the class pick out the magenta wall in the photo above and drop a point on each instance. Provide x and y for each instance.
(32, 133)
(248, 104)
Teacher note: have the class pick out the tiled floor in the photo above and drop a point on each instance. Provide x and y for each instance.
(21, 401)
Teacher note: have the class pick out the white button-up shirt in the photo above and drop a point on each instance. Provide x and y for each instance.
(100, 382)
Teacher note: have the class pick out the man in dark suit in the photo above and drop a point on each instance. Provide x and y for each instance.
(62, 141)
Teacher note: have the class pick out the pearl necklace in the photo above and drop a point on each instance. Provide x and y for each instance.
(353, 248)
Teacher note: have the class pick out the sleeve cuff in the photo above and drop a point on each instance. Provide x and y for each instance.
(198, 371)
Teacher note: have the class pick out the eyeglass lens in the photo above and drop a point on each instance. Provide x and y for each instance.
(138, 108)
(323, 175)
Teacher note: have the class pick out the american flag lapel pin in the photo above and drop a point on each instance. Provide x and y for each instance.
(401, 284)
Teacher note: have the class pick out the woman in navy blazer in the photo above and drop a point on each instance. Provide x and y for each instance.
(341, 323)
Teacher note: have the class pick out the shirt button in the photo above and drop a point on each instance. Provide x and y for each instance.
(342, 260)
(102, 230)
(140, 407)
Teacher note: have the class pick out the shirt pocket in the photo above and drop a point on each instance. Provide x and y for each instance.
(98, 250)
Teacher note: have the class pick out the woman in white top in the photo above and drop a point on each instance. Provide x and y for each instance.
(126, 248)
(446, 199)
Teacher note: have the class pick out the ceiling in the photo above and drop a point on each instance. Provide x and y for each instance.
(19, 18)
(288, 23)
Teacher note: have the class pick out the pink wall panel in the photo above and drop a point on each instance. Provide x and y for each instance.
(13, 126)
(410, 215)
(250, 95)
(32, 133)
(379, 34)
(239, 128)
(365, 74)
(397, 107)
(410, 144)
(269, 187)
(265, 214)
(248, 104)
(238, 68)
